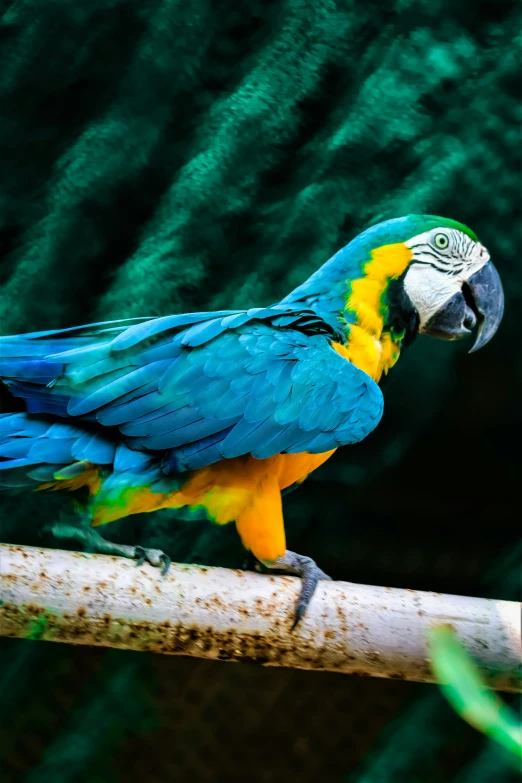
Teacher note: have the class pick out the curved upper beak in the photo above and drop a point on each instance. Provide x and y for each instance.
(479, 302)
(488, 295)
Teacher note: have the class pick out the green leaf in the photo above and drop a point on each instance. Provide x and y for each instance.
(461, 683)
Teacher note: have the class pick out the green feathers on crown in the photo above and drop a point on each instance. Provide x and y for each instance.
(428, 222)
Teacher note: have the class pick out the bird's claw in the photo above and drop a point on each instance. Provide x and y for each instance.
(310, 574)
(155, 557)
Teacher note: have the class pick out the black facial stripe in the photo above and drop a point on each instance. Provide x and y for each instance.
(430, 252)
(450, 269)
(455, 271)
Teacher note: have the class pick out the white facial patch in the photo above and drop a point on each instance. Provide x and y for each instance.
(443, 259)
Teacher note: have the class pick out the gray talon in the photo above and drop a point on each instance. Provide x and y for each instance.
(155, 557)
(310, 574)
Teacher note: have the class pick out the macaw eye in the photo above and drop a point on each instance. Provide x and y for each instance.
(441, 241)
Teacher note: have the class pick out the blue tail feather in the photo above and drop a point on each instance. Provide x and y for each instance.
(33, 450)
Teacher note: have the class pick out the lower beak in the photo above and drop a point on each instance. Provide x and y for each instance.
(480, 302)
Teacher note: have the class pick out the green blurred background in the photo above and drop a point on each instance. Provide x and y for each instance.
(167, 155)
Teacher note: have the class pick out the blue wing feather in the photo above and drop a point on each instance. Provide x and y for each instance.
(196, 388)
(112, 391)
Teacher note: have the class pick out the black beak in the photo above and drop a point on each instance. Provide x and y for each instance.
(481, 301)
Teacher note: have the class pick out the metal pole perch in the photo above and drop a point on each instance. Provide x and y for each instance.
(241, 616)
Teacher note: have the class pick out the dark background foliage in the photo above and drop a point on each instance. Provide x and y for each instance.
(168, 155)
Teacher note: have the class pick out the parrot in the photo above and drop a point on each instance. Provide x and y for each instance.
(224, 412)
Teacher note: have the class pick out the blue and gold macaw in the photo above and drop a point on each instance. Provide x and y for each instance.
(224, 411)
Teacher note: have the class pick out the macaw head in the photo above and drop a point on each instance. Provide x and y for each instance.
(451, 282)
(410, 274)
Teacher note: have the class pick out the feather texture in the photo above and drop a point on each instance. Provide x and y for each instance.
(192, 389)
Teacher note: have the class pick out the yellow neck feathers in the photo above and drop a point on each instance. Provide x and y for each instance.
(369, 347)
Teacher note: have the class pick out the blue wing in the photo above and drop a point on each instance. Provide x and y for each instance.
(200, 387)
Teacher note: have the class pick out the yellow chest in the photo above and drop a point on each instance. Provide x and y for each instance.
(369, 354)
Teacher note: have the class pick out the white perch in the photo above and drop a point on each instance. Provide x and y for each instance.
(241, 616)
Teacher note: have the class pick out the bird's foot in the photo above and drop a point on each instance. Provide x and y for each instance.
(310, 574)
(94, 542)
(155, 557)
